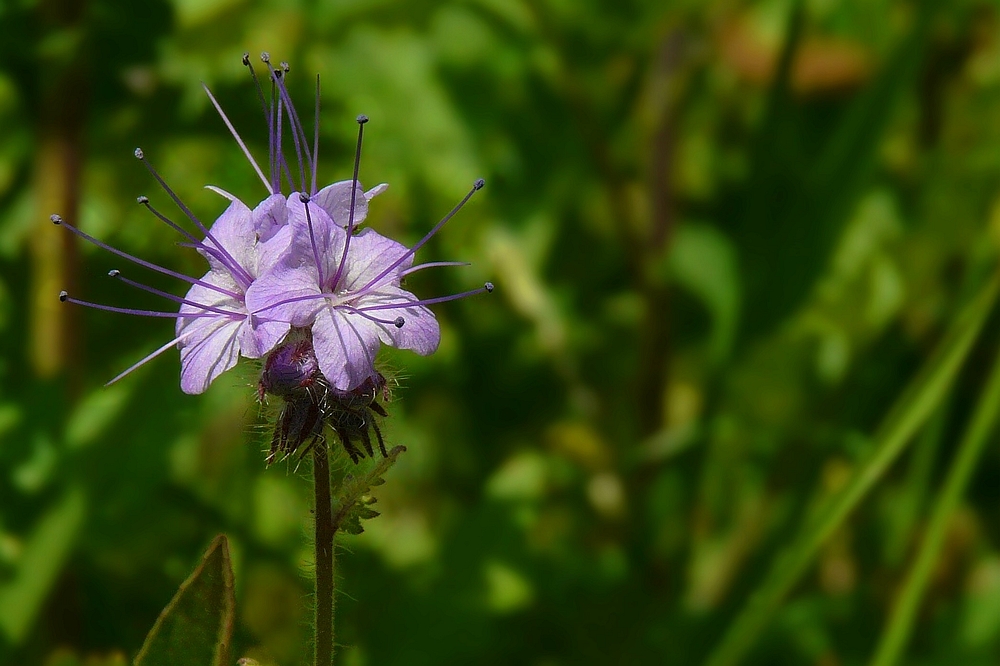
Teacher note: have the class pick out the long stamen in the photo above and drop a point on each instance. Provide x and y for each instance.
(66, 298)
(312, 237)
(478, 185)
(56, 219)
(273, 132)
(486, 288)
(206, 249)
(432, 264)
(280, 152)
(315, 155)
(260, 91)
(117, 274)
(298, 132)
(256, 85)
(293, 117)
(234, 266)
(144, 201)
(362, 119)
(398, 322)
(150, 357)
(243, 146)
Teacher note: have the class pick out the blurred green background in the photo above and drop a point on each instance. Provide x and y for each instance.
(725, 236)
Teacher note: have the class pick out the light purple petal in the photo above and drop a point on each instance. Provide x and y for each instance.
(345, 348)
(210, 297)
(269, 216)
(211, 348)
(271, 251)
(285, 294)
(327, 236)
(259, 337)
(234, 231)
(370, 254)
(335, 199)
(420, 331)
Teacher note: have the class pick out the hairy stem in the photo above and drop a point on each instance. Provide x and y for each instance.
(324, 539)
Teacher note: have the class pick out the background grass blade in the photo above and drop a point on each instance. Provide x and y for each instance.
(911, 411)
(982, 425)
(196, 627)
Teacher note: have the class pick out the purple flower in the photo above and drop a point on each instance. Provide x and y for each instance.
(352, 304)
(291, 261)
(213, 325)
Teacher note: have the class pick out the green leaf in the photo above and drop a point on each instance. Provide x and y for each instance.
(353, 505)
(39, 564)
(908, 415)
(703, 261)
(196, 627)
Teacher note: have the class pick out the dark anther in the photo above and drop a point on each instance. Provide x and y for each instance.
(362, 119)
(303, 197)
(246, 59)
(56, 219)
(489, 287)
(63, 296)
(114, 272)
(265, 56)
(399, 322)
(142, 201)
(139, 154)
(479, 184)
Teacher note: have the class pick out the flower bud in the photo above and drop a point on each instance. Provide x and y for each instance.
(290, 367)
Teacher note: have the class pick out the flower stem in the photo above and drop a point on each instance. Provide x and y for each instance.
(324, 538)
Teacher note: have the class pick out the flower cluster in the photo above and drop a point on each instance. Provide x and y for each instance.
(295, 281)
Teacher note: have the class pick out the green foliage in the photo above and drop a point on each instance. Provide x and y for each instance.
(196, 627)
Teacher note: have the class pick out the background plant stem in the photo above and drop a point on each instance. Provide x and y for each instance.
(894, 639)
(324, 539)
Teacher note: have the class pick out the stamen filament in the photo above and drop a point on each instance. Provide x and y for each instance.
(66, 298)
(362, 119)
(293, 120)
(398, 322)
(234, 267)
(478, 185)
(315, 155)
(144, 201)
(260, 91)
(487, 288)
(243, 146)
(141, 262)
(312, 237)
(177, 299)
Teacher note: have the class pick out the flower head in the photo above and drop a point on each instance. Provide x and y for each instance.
(293, 263)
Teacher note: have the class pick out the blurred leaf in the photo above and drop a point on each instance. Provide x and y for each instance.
(799, 196)
(196, 627)
(94, 414)
(907, 416)
(703, 261)
(39, 564)
(64, 657)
